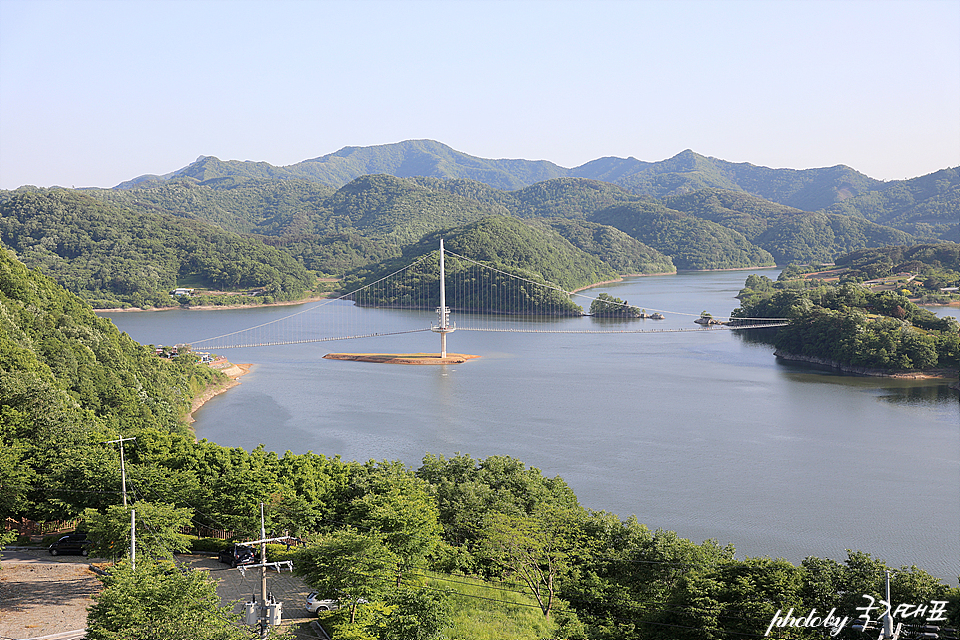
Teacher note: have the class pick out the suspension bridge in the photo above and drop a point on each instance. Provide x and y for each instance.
(425, 293)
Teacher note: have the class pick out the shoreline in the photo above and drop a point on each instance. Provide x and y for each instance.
(931, 374)
(213, 307)
(234, 372)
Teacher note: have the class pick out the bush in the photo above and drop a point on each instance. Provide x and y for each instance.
(50, 539)
(278, 552)
(207, 545)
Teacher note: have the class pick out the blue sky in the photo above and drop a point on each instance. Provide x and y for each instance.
(93, 93)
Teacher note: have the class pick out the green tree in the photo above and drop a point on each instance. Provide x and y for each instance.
(16, 478)
(606, 306)
(731, 599)
(160, 602)
(405, 516)
(414, 614)
(535, 549)
(158, 527)
(350, 566)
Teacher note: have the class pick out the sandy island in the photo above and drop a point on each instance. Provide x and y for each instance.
(402, 358)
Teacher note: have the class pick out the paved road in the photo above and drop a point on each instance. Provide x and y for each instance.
(236, 587)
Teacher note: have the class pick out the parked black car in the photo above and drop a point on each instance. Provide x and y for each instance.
(236, 554)
(71, 543)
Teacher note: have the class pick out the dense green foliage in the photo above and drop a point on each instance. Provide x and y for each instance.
(691, 242)
(114, 257)
(606, 306)
(625, 255)
(846, 323)
(809, 189)
(506, 247)
(926, 207)
(355, 207)
(160, 602)
(70, 381)
(821, 236)
(938, 264)
(158, 526)
(261, 206)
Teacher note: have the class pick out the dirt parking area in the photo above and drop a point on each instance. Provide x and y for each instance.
(42, 596)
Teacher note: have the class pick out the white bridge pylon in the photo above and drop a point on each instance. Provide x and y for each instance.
(443, 311)
(493, 300)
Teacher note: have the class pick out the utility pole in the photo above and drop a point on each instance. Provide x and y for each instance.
(133, 539)
(889, 631)
(123, 471)
(264, 613)
(263, 572)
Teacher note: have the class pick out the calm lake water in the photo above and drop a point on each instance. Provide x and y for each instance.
(701, 432)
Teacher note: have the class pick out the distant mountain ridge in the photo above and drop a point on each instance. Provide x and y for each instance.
(840, 188)
(812, 189)
(361, 206)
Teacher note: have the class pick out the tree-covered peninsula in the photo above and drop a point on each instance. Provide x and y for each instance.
(843, 319)
(497, 265)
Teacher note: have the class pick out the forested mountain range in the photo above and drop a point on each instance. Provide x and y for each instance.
(918, 199)
(361, 206)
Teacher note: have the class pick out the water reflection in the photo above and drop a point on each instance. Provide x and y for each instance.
(935, 394)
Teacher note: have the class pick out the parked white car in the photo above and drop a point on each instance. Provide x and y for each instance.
(316, 605)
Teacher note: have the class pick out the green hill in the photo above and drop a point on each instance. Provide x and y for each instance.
(112, 256)
(624, 254)
(692, 243)
(403, 160)
(820, 237)
(737, 210)
(70, 380)
(928, 206)
(241, 205)
(789, 234)
(397, 209)
(928, 200)
(512, 247)
(363, 205)
(807, 189)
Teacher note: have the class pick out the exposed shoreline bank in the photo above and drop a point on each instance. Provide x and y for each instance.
(234, 372)
(213, 307)
(932, 374)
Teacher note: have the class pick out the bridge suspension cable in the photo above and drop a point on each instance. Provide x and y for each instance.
(486, 298)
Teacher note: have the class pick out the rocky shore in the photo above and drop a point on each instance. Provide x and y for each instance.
(948, 374)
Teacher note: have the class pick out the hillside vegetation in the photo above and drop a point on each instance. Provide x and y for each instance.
(386, 537)
(844, 323)
(363, 206)
(114, 257)
(844, 190)
(536, 254)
